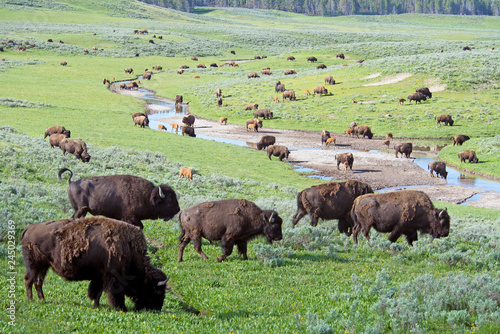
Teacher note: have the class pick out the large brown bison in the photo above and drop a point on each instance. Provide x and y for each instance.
(129, 70)
(332, 200)
(142, 121)
(56, 138)
(324, 136)
(266, 141)
(266, 72)
(439, 167)
(253, 75)
(178, 99)
(218, 92)
(321, 90)
(288, 94)
(264, 113)
(136, 114)
(77, 147)
(56, 129)
(290, 72)
(188, 130)
(468, 155)
(257, 123)
(124, 197)
(345, 157)
(417, 97)
(110, 253)
(312, 59)
(460, 139)
(292, 58)
(278, 151)
(321, 66)
(445, 118)
(401, 213)
(188, 120)
(329, 80)
(232, 221)
(403, 148)
(340, 55)
(365, 131)
(253, 106)
(425, 91)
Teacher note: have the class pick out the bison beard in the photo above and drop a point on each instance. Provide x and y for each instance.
(401, 213)
(232, 221)
(109, 253)
(123, 197)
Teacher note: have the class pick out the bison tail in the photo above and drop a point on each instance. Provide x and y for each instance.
(65, 170)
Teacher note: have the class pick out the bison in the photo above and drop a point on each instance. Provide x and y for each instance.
(365, 131)
(77, 147)
(56, 138)
(278, 151)
(446, 119)
(332, 200)
(340, 55)
(460, 139)
(137, 114)
(312, 59)
(266, 141)
(264, 113)
(403, 148)
(401, 212)
(321, 66)
(321, 90)
(64, 63)
(201, 66)
(345, 157)
(188, 130)
(232, 221)
(252, 127)
(223, 120)
(157, 67)
(266, 72)
(330, 141)
(468, 155)
(292, 58)
(56, 129)
(253, 75)
(324, 136)
(289, 72)
(188, 120)
(129, 70)
(253, 106)
(124, 197)
(257, 123)
(288, 94)
(417, 97)
(142, 121)
(425, 91)
(162, 127)
(329, 80)
(218, 92)
(219, 101)
(186, 172)
(439, 167)
(110, 253)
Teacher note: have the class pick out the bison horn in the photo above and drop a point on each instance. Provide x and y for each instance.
(162, 283)
(162, 195)
(271, 219)
(441, 213)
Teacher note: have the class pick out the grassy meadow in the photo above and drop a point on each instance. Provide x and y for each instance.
(314, 280)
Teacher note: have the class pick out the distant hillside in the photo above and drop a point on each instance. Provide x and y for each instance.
(346, 7)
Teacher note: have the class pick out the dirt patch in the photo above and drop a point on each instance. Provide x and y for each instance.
(390, 79)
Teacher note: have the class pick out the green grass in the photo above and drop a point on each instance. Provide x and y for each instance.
(315, 280)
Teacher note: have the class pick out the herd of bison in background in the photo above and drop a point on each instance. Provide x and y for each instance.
(110, 250)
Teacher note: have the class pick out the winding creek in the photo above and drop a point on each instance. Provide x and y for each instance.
(455, 177)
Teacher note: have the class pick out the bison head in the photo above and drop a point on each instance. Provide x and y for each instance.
(164, 200)
(86, 157)
(441, 226)
(153, 295)
(272, 225)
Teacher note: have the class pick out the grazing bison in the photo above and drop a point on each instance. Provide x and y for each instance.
(466, 48)
(252, 127)
(129, 70)
(288, 94)
(324, 136)
(340, 55)
(56, 129)
(218, 92)
(266, 141)
(188, 120)
(64, 63)
(425, 91)
(232, 221)
(194, 58)
(321, 66)
(157, 67)
(142, 121)
(345, 157)
(186, 172)
(278, 151)
(264, 113)
(401, 213)
(147, 75)
(253, 106)
(439, 167)
(446, 119)
(329, 142)
(188, 130)
(214, 65)
(402, 101)
(292, 58)
(253, 75)
(321, 90)
(223, 120)
(162, 127)
(403, 148)
(389, 135)
(332, 200)
(329, 80)
(289, 72)
(266, 72)
(417, 97)
(201, 66)
(219, 101)
(123, 197)
(279, 88)
(312, 59)
(56, 138)
(110, 253)
(136, 114)
(180, 71)
(178, 99)
(175, 127)
(468, 155)
(77, 147)
(257, 123)
(365, 131)
(460, 139)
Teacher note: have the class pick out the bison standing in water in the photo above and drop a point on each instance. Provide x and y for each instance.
(439, 167)
(232, 221)
(328, 201)
(123, 197)
(401, 212)
(110, 253)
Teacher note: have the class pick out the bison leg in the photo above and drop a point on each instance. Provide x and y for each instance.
(395, 234)
(242, 248)
(197, 246)
(39, 278)
(355, 232)
(345, 226)
(182, 244)
(411, 236)
(298, 216)
(81, 212)
(114, 289)
(227, 248)
(94, 291)
(35, 276)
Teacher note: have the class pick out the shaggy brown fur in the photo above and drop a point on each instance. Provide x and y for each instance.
(345, 157)
(77, 147)
(56, 129)
(278, 151)
(56, 138)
